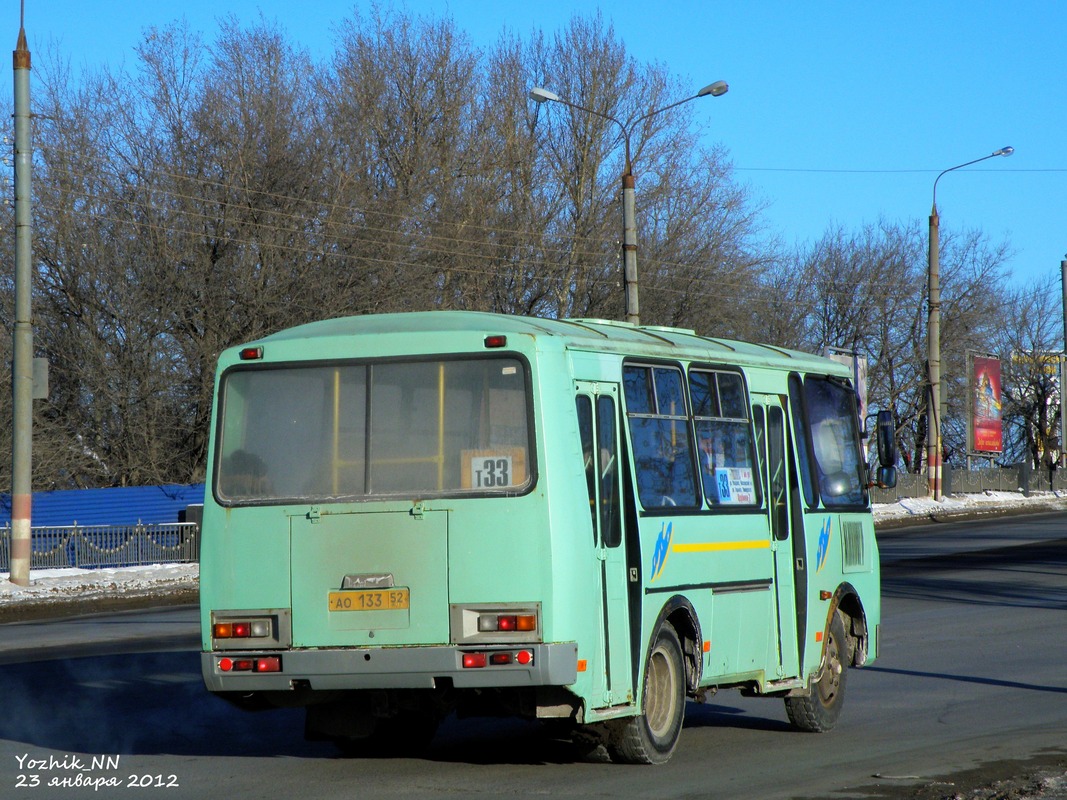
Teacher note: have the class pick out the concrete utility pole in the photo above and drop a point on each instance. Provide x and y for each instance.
(629, 206)
(1063, 369)
(22, 361)
(933, 339)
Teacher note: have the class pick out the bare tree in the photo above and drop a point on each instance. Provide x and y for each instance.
(219, 191)
(1029, 351)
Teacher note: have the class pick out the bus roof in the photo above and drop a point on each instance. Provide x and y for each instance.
(592, 334)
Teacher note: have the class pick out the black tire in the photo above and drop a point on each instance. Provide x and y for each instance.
(818, 712)
(651, 736)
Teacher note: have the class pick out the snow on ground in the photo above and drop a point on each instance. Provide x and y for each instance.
(923, 508)
(65, 585)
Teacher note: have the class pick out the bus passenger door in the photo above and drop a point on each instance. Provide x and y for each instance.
(598, 424)
(773, 448)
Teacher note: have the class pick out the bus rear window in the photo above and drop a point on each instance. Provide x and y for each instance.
(359, 431)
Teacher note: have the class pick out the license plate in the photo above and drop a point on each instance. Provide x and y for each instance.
(370, 600)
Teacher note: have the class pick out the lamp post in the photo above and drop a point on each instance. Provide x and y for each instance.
(1063, 369)
(933, 407)
(22, 333)
(629, 216)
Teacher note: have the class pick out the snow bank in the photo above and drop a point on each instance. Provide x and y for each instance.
(64, 585)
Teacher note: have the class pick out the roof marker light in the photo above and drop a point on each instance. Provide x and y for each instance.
(251, 353)
(496, 340)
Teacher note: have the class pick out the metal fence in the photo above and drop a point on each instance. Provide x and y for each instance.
(107, 545)
(975, 481)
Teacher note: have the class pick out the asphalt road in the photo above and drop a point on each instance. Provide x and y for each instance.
(972, 673)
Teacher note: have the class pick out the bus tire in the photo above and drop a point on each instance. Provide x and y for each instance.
(651, 736)
(818, 711)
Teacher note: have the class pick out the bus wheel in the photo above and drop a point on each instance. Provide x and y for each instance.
(818, 712)
(651, 736)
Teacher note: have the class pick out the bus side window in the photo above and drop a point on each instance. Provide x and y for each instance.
(610, 510)
(585, 432)
(796, 405)
(659, 429)
(724, 438)
(776, 479)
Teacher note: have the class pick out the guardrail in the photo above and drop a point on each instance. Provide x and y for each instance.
(975, 481)
(94, 546)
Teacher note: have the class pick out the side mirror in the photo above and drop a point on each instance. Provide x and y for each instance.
(886, 476)
(887, 439)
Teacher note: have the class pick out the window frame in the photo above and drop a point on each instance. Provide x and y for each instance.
(747, 421)
(686, 418)
(368, 363)
(809, 466)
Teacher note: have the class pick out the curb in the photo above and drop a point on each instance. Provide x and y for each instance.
(56, 609)
(970, 515)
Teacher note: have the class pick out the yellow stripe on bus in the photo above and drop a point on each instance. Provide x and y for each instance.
(711, 547)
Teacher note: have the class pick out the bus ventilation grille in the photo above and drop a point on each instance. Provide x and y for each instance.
(852, 545)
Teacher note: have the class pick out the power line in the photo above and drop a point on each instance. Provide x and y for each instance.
(878, 171)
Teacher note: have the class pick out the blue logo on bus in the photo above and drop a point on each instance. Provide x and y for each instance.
(824, 546)
(663, 548)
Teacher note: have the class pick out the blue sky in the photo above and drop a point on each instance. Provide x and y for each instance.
(839, 113)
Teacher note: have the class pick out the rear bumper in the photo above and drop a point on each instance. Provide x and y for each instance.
(391, 668)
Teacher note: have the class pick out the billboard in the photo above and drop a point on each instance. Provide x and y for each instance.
(987, 433)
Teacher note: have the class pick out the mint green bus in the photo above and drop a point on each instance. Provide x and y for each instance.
(576, 521)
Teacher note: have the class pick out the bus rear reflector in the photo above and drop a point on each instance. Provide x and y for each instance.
(269, 664)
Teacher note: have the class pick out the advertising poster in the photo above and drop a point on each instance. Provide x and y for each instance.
(988, 430)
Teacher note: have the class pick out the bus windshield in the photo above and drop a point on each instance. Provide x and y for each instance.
(360, 431)
(835, 441)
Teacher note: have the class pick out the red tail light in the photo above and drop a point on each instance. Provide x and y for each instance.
(473, 660)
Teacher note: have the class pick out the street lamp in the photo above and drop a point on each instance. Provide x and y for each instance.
(629, 216)
(933, 408)
(1063, 368)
